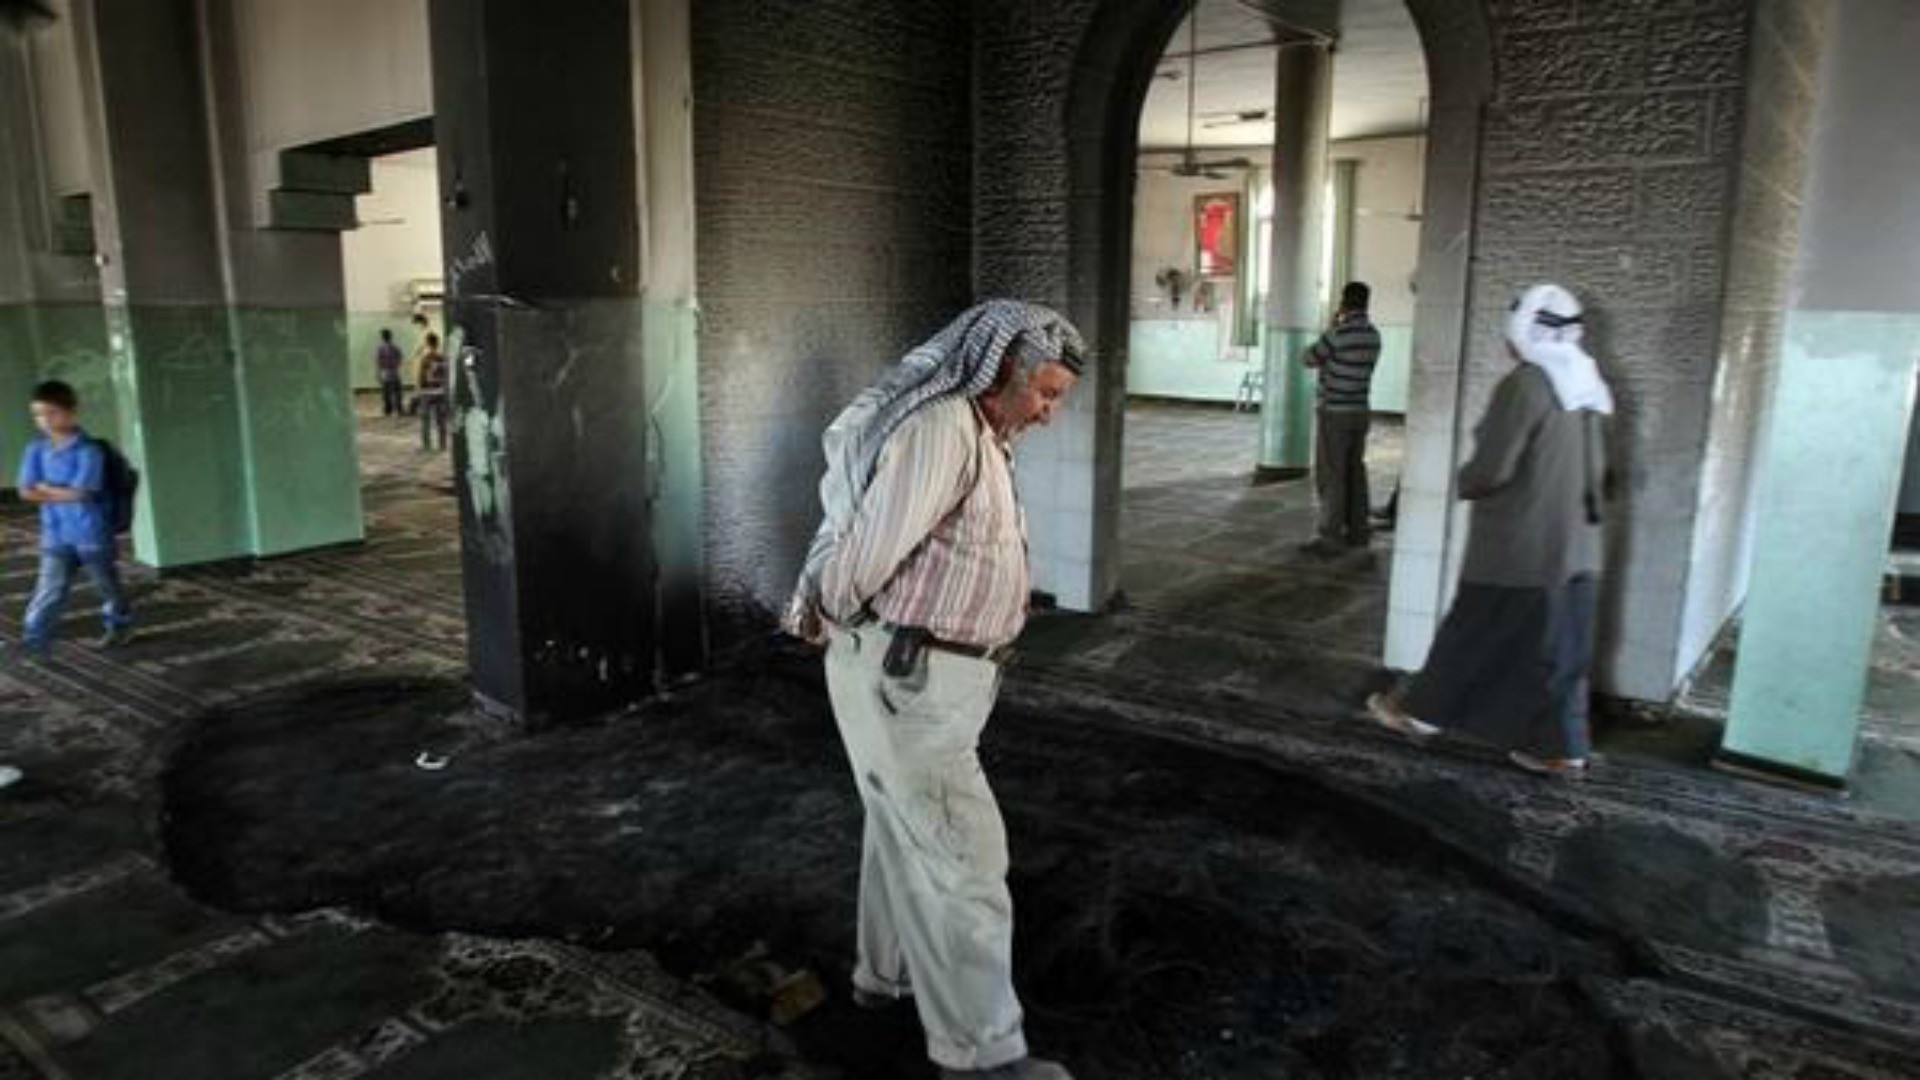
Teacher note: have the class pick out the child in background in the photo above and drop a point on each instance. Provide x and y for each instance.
(433, 396)
(386, 361)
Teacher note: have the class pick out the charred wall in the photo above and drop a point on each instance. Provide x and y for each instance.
(1608, 154)
(834, 154)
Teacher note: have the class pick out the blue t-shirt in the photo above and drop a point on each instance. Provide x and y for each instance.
(81, 464)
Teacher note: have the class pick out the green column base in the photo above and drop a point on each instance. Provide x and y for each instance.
(241, 424)
(1286, 412)
(1277, 474)
(670, 347)
(300, 431)
(1841, 405)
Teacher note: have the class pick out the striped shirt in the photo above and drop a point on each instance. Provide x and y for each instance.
(1345, 356)
(939, 542)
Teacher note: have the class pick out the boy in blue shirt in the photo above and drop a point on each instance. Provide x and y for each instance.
(65, 472)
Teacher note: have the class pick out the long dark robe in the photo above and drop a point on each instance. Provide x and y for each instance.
(1510, 663)
(1509, 667)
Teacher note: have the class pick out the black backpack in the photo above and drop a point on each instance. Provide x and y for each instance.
(121, 483)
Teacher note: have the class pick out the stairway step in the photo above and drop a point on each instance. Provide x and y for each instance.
(311, 211)
(333, 174)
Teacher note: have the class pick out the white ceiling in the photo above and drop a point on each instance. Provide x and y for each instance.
(1379, 77)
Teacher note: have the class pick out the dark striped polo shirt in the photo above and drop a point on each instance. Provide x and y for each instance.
(1347, 354)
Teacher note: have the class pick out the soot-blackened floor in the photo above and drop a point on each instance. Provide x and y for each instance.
(1182, 912)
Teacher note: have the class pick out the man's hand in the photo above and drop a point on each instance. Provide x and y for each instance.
(805, 621)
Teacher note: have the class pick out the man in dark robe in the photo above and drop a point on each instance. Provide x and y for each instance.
(1511, 662)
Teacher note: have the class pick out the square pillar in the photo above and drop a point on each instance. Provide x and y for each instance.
(1303, 102)
(1834, 444)
(535, 128)
(225, 342)
(158, 231)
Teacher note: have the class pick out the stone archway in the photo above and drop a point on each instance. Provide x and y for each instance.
(1075, 189)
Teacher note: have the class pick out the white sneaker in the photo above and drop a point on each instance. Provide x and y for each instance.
(9, 776)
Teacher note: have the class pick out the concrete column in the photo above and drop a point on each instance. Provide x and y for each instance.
(1346, 181)
(286, 293)
(1833, 446)
(539, 180)
(162, 282)
(18, 153)
(664, 92)
(1303, 98)
(50, 316)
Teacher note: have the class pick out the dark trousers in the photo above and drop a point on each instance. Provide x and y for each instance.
(433, 421)
(392, 397)
(1340, 476)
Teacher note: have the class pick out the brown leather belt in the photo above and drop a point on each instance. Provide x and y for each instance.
(994, 654)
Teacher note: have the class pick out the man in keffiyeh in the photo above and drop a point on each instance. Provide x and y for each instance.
(1510, 664)
(917, 583)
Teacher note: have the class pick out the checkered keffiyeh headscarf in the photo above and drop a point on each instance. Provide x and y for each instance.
(963, 360)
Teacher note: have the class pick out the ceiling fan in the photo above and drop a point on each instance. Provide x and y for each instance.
(1189, 165)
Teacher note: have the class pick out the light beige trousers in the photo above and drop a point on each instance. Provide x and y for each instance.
(936, 920)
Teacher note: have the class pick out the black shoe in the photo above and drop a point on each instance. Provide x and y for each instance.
(116, 637)
(1323, 548)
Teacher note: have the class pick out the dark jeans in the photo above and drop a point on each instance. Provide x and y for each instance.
(56, 581)
(392, 397)
(1340, 476)
(433, 421)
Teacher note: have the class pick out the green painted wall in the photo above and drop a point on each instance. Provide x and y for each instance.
(183, 430)
(1827, 487)
(1179, 358)
(19, 363)
(241, 422)
(670, 344)
(71, 340)
(303, 468)
(53, 341)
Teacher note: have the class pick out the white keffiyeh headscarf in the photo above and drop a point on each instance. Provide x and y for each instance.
(963, 360)
(1545, 328)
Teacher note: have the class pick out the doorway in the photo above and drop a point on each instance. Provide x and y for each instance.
(1202, 546)
(392, 265)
